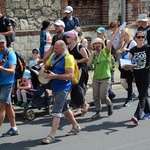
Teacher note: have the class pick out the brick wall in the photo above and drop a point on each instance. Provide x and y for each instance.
(89, 12)
(3, 6)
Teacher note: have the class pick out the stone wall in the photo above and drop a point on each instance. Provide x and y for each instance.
(29, 14)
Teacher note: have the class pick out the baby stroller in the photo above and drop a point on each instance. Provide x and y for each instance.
(35, 97)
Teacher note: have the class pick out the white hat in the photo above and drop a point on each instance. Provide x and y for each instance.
(68, 9)
(142, 17)
(2, 38)
(59, 23)
(97, 40)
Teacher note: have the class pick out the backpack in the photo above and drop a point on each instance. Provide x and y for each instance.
(13, 24)
(78, 49)
(55, 38)
(77, 74)
(20, 66)
(76, 22)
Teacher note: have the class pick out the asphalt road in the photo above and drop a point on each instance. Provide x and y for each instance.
(116, 132)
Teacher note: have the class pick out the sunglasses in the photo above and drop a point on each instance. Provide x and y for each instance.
(140, 37)
(67, 37)
(34, 52)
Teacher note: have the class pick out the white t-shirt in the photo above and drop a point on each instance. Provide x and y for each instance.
(48, 38)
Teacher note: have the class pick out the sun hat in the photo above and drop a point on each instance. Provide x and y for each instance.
(142, 17)
(59, 23)
(2, 38)
(27, 74)
(97, 40)
(100, 30)
(68, 9)
(73, 34)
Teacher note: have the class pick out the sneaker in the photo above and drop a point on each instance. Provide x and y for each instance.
(146, 116)
(133, 96)
(23, 104)
(127, 103)
(11, 132)
(135, 120)
(111, 96)
(110, 109)
(48, 140)
(96, 116)
(74, 131)
(18, 103)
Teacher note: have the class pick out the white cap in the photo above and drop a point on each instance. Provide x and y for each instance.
(68, 9)
(59, 23)
(142, 17)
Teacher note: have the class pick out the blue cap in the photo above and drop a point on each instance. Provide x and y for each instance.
(101, 30)
(36, 49)
(27, 74)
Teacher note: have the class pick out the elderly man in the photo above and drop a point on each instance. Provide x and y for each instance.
(61, 84)
(6, 28)
(144, 26)
(7, 79)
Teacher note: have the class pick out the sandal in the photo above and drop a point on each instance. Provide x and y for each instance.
(48, 140)
(86, 110)
(77, 114)
(74, 131)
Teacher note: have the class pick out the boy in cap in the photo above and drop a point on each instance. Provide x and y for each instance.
(70, 21)
(35, 57)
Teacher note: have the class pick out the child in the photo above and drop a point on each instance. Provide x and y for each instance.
(23, 87)
(45, 38)
(35, 57)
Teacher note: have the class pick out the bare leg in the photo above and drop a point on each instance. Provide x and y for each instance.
(11, 115)
(55, 124)
(71, 119)
(2, 112)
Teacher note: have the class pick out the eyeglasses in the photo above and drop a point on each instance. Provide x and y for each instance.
(67, 37)
(140, 37)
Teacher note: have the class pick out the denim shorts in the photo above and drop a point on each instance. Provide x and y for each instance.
(5, 93)
(60, 103)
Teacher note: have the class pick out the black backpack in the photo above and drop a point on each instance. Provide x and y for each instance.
(76, 22)
(13, 24)
(20, 66)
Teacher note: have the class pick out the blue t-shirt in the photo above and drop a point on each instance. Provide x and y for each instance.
(71, 24)
(6, 78)
(64, 63)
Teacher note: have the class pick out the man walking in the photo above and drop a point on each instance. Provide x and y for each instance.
(7, 79)
(60, 76)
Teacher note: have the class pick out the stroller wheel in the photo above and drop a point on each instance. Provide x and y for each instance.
(30, 114)
(50, 108)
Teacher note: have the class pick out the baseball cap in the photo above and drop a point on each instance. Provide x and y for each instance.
(59, 23)
(73, 34)
(68, 9)
(27, 74)
(2, 38)
(36, 49)
(97, 40)
(100, 30)
(142, 17)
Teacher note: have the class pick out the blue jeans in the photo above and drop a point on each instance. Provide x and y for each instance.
(60, 103)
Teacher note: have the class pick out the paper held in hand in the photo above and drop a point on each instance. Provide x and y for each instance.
(126, 64)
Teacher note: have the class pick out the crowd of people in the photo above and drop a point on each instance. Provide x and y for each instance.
(69, 47)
